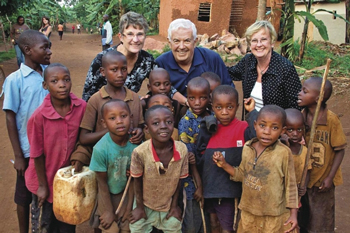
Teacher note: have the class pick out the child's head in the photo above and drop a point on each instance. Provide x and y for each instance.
(57, 81)
(295, 126)
(198, 95)
(116, 117)
(35, 46)
(225, 103)
(160, 99)
(159, 82)
(309, 94)
(213, 79)
(114, 68)
(269, 124)
(159, 123)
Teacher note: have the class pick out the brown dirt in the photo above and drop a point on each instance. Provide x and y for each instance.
(76, 52)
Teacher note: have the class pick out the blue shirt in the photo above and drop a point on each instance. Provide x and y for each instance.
(23, 94)
(204, 60)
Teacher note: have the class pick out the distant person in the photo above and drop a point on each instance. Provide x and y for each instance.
(15, 32)
(107, 33)
(46, 27)
(73, 28)
(78, 28)
(23, 94)
(60, 30)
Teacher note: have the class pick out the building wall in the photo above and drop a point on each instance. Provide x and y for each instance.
(173, 9)
(336, 28)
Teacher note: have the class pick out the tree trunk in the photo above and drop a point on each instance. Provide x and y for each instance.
(288, 30)
(347, 35)
(304, 35)
(261, 10)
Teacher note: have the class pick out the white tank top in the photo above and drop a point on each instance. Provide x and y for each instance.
(256, 94)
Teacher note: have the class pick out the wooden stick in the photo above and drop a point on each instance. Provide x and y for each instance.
(236, 214)
(313, 125)
(202, 212)
(124, 194)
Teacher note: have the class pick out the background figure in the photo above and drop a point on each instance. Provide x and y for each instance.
(107, 33)
(78, 28)
(73, 28)
(15, 32)
(60, 30)
(45, 28)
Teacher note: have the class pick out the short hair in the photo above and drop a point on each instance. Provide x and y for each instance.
(328, 88)
(52, 66)
(157, 69)
(294, 114)
(273, 109)
(111, 53)
(154, 108)
(182, 23)
(199, 82)
(29, 38)
(153, 96)
(211, 76)
(20, 17)
(257, 26)
(114, 101)
(225, 90)
(134, 19)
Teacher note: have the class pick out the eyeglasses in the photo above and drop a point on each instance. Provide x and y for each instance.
(131, 35)
(262, 41)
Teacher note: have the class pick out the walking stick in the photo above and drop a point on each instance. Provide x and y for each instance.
(202, 212)
(124, 194)
(313, 125)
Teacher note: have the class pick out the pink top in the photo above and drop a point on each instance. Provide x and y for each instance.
(54, 137)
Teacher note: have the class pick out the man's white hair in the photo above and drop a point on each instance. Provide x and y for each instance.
(182, 23)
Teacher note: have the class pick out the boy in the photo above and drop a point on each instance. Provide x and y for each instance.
(198, 97)
(267, 176)
(23, 94)
(52, 132)
(114, 68)
(219, 192)
(327, 154)
(110, 160)
(213, 79)
(157, 166)
(164, 100)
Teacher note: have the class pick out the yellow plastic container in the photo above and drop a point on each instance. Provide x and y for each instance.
(74, 195)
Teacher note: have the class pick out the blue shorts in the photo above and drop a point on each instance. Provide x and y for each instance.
(224, 208)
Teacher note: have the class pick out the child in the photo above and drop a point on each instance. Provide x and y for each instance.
(23, 94)
(213, 79)
(164, 100)
(267, 176)
(219, 192)
(327, 154)
(159, 83)
(157, 166)
(52, 132)
(114, 68)
(110, 160)
(198, 97)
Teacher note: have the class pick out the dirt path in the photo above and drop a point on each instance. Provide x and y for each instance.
(76, 52)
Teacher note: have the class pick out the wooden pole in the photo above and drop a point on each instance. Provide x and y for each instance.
(3, 35)
(313, 125)
(124, 194)
(202, 211)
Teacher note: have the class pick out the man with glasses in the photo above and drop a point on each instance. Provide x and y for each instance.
(107, 33)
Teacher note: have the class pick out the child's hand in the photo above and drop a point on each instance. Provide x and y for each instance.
(144, 97)
(198, 195)
(301, 191)
(191, 158)
(78, 166)
(137, 136)
(42, 193)
(106, 219)
(249, 104)
(326, 184)
(219, 159)
(137, 214)
(20, 165)
(292, 220)
(285, 139)
(127, 173)
(174, 212)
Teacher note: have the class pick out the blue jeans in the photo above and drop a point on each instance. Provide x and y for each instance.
(19, 55)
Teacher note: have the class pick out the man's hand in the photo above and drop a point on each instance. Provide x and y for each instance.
(42, 193)
(106, 219)
(137, 214)
(249, 104)
(20, 165)
(326, 184)
(174, 212)
(191, 158)
(78, 166)
(219, 159)
(137, 136)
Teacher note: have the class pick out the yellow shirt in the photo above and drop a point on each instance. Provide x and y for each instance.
(299, 163)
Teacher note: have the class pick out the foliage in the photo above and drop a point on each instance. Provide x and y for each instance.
(156, 53)
(4, 56)
(9, 6)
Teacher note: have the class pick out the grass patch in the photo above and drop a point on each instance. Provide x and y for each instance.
(4, 56)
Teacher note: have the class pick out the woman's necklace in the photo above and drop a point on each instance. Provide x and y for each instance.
(262, 71)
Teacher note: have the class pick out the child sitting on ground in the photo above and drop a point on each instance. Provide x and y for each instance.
(327, 154)
(52, 132)
(110, 160)
(114, 68)
(267, 176)
(159, 83)
(164, 100)
(231, 134)
(157, 166)
(23, 94)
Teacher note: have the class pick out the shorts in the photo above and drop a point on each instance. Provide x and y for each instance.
(60, 33)
(23, 196)
(44, 220)
(322, 207)
(224, 208)
(158, 220)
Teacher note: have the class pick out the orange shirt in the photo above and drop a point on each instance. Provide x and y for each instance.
(60, 28)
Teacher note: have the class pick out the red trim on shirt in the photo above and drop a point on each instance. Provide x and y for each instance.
(176, 154)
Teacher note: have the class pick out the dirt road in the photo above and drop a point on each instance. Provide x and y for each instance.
(76, 52)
